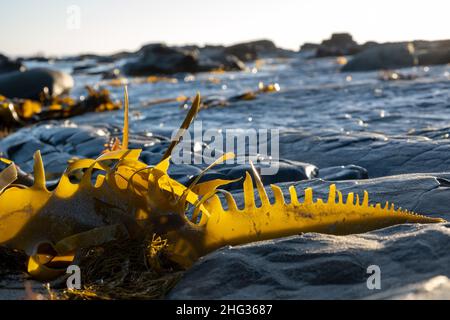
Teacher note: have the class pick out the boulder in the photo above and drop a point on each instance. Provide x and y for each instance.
(8, 65)
(384, 56)
(216, 58)
(432, 52)
(249, 51)
(30, 84)
(400, 55)
(158, 58)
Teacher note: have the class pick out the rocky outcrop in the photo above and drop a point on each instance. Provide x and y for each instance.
(340, 44)
(249, 51)
(30, 84)
(432, 52)
(159, 58)
(8, 65)
(216, 58)
(381, 155)
(400, 55)
(317, 266)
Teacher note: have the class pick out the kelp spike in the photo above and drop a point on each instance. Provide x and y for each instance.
(198, 206)
(293, 194)
(392, 209)
(340, 201)
(231, 203)
(260, 186)
(350, 199)
(125, 120)
(249, 195)
(203, 187)
(278, 195)
(163, 165)
(184, 126)
(365, 202)
(308, 196)
(332, 194)
(39, 172)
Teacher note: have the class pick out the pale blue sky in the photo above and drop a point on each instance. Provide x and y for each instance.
(31, 26)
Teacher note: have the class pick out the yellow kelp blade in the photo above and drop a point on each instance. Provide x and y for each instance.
(51, 270)
(268, 221)
(8, 176)
(20, 204)
(45, 266)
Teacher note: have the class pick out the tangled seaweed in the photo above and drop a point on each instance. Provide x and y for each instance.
(20, 112)
(150, 226)
(120, 270)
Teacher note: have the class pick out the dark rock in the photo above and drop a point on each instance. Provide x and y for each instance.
(380, 155)
(309, 46)
(340, 40)
(38, 58)
(340, 44)
(287, 171)
(368, 45)
(400, 55)
(384, 56)
(316, 266)
(349, 172)
(160, 59)
(432, 52)
(215, 58)
(111, 74)
(249, 51)
(8, 65)
(30, 84)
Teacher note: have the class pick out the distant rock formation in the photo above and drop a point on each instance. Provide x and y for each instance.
(8, 65)
(158, 58)
(400, 55)
(249, 51)
(340, 44)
